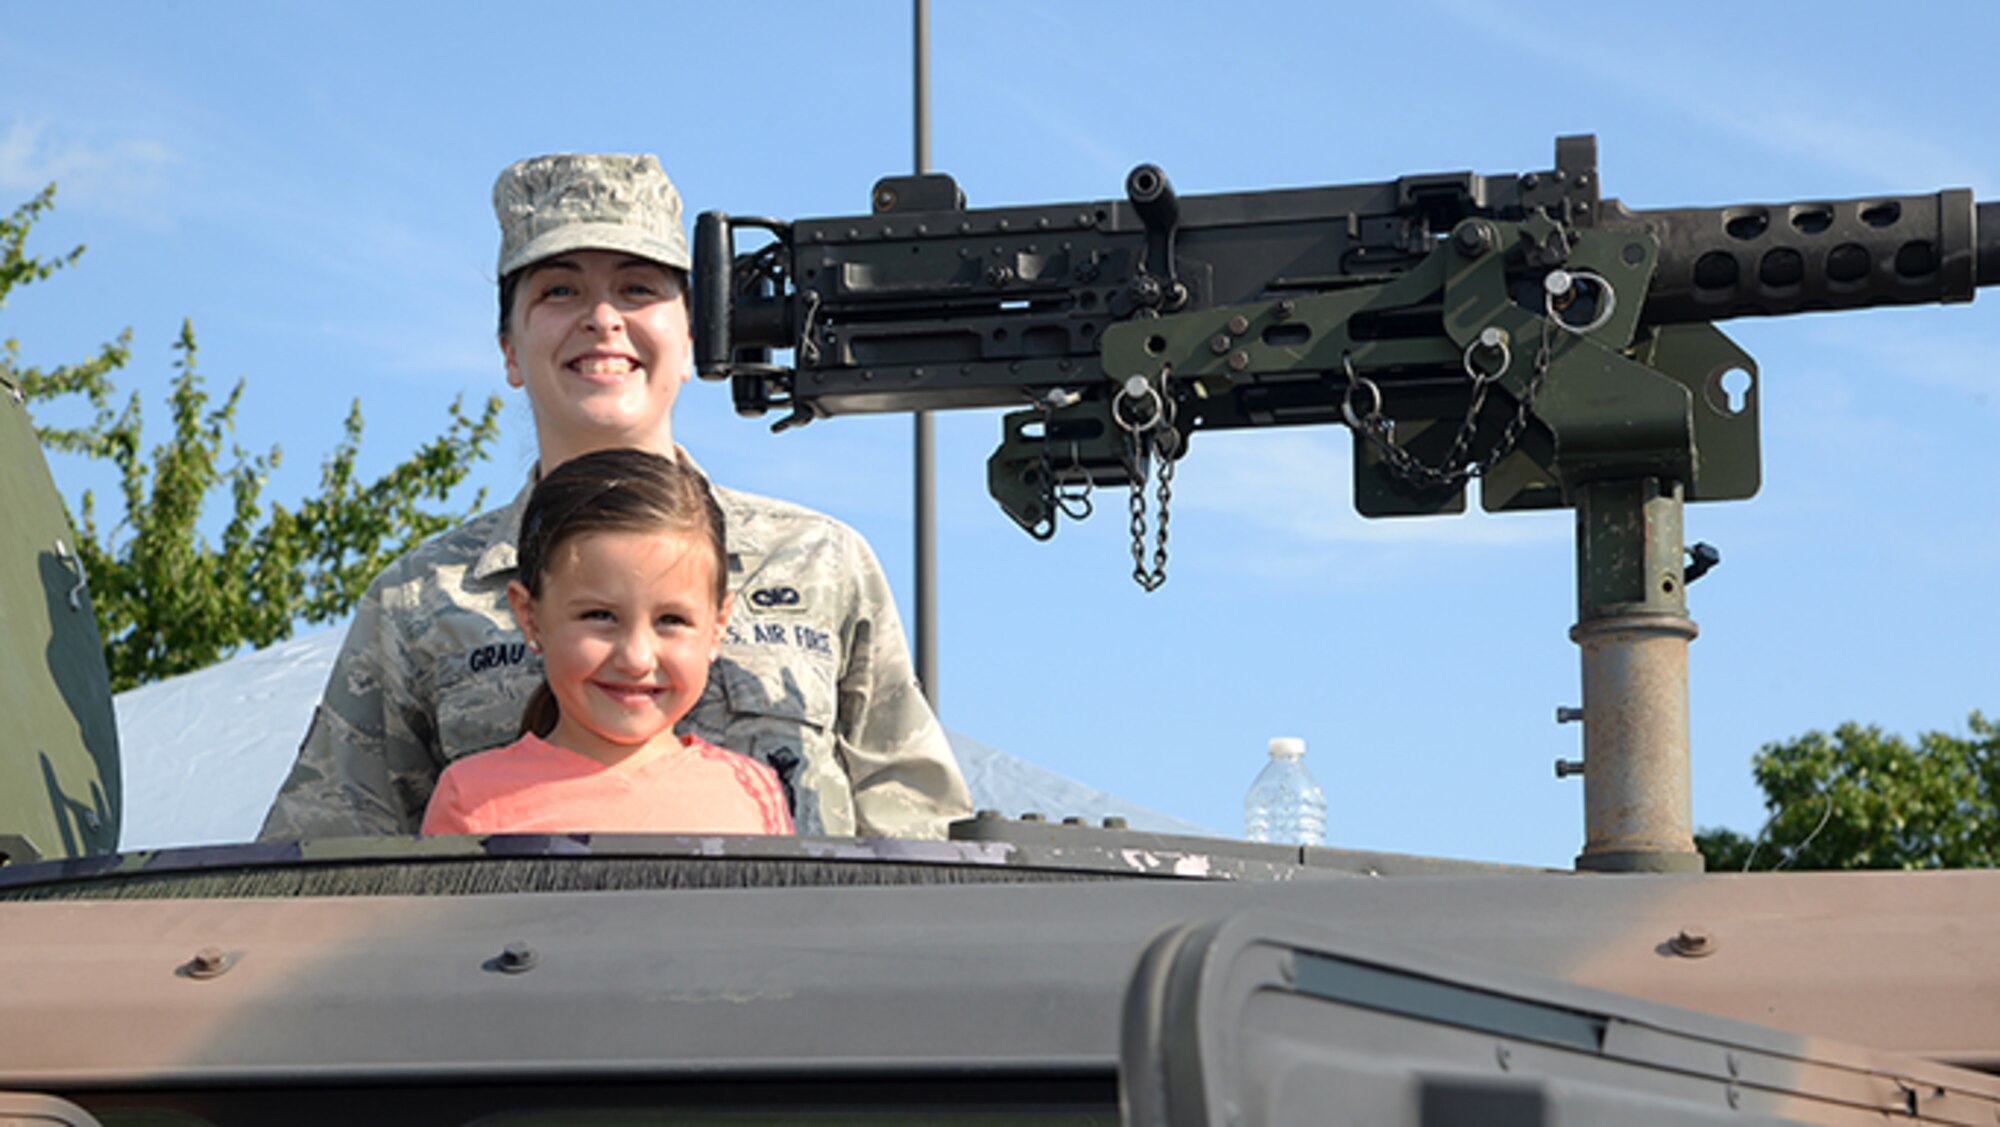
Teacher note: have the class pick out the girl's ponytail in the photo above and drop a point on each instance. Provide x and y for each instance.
(539, 718)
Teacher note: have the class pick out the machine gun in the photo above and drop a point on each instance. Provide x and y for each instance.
(1517, 329)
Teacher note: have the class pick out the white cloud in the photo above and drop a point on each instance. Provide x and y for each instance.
(127, 177)
(1773, 100)
(1862, 148)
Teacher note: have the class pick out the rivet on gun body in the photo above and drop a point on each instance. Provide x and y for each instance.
(1473, 239)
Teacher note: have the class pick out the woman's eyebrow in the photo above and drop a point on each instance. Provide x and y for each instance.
(554, 264)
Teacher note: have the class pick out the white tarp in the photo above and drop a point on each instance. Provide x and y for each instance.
(204, 752)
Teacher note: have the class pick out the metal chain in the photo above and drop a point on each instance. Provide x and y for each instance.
(1136, 475)
(1153, 579)
(1456, 467)
(1158, 575)
(1152, 437)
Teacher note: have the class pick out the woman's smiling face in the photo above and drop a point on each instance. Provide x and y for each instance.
(599, 339)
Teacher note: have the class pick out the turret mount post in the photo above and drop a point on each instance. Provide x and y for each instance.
(1633, 629)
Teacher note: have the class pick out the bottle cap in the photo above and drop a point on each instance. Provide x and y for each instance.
(1287, 747)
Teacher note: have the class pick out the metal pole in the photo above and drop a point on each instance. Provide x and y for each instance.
(926, 502)
(1633, 630)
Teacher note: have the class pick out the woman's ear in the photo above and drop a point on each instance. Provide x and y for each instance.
(523, 606)
(514, 377)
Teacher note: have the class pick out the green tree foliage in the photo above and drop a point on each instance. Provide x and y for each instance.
(168, 600)
(1859, 799)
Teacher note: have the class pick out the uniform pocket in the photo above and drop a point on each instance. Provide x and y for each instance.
(780, 711)
(762, 683)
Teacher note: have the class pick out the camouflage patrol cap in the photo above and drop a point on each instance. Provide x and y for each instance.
(548, 205)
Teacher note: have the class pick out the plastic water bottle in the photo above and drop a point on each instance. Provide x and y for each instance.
(1285, 805)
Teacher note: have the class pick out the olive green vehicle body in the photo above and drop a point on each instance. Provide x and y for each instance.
(606, 980)
(1022, 972)
(61, 792)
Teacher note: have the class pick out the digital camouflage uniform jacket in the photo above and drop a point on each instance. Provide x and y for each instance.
(814, 682)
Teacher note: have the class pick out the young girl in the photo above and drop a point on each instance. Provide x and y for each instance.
(622, 589)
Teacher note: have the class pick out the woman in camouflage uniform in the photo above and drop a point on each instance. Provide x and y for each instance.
(814, 677)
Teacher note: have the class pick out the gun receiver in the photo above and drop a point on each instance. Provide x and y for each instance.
(1513, 327)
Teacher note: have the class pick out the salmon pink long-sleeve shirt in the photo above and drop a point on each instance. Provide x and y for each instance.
(533, 786)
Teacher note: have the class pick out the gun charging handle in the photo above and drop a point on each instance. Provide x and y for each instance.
(1153, 197)
(714, 261)
(1157, 284)
(741, 310)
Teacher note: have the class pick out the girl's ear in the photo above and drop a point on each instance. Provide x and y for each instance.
(523, 606)
(721, 625)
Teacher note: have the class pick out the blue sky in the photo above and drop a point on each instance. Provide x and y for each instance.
(309, 184)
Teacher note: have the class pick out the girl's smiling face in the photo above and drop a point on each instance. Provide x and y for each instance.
(627, 623)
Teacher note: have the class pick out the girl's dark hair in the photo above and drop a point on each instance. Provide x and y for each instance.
(621, 490)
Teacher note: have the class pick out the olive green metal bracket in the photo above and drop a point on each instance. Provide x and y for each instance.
(1047, 456)
(1617, 400)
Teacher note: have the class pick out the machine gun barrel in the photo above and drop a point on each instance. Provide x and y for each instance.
(1774, 259)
